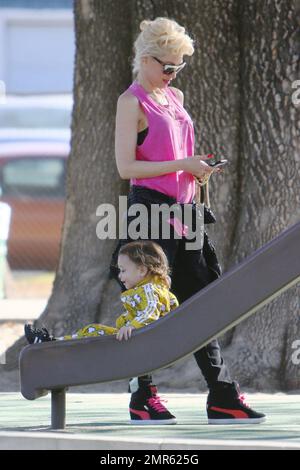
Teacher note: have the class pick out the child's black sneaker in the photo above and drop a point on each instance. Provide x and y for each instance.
(146, 408)
(35, 335)
(225, 405)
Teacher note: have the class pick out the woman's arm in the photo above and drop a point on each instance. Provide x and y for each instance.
(125, 146)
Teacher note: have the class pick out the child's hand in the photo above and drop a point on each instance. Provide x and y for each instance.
(124, 332)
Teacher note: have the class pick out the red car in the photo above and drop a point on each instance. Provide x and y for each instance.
(32, 183)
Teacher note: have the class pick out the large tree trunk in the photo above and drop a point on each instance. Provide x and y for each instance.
(238, 90)
(102, 72)
(268, 180)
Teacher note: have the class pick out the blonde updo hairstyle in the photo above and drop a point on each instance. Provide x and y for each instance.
(160, 37)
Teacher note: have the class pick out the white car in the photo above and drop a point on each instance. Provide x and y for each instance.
(34, 146)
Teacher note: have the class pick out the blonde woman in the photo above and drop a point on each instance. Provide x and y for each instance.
(154, 146)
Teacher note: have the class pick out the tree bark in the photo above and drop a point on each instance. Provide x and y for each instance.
(102, 72)
(269, 197)
(238, 89)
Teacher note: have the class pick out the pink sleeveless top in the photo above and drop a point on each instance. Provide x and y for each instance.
(170, 137)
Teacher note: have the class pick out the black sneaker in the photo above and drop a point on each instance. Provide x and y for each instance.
(34, 335)
(225, 405)
(146, 408)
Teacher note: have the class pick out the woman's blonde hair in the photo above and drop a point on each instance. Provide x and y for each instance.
(151, 255)
(160, 37)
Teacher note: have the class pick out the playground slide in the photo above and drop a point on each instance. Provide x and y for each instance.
(236, 295)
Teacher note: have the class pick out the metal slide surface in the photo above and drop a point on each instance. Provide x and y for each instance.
(237, 294)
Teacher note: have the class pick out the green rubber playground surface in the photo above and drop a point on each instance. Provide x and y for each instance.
(101, 421)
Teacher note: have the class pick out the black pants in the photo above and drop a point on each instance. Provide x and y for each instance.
(191, 271)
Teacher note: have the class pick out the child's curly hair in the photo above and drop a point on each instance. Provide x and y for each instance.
(150, 255)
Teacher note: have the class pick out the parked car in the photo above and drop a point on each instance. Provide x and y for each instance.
(34, 145)
(32, 183)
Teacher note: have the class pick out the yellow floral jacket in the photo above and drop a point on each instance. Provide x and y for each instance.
(149, 300)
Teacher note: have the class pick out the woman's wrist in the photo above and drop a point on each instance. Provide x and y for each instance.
(183, 164)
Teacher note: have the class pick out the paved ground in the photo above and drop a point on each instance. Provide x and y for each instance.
(100, 421)
(14, 313)
(21, 309)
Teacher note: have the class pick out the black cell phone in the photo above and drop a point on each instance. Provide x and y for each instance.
(218, 163)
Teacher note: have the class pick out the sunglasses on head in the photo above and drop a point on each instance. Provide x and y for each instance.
(170, 68)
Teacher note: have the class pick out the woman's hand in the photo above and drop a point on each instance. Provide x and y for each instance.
(124, 332)
(196, 166)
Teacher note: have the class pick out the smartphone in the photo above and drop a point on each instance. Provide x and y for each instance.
(218, 163)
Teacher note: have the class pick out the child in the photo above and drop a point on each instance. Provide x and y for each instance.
(144, 271)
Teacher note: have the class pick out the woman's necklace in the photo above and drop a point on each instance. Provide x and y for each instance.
(166, 105)
(157, 98)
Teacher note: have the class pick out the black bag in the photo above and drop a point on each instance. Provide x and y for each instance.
(209, 216)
